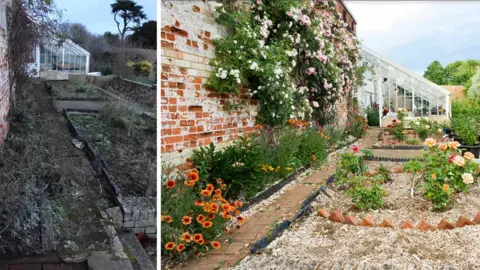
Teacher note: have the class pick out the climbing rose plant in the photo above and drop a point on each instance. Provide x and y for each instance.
(296, 57)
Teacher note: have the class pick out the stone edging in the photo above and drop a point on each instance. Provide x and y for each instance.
(79, 99)
(392, 159)
(399, 147)
(423, 225)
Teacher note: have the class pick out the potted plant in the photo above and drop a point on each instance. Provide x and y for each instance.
(467, 134)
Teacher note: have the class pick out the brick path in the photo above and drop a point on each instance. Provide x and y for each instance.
(259, 223)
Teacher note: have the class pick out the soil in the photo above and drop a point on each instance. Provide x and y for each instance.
(66, 192)
(67, 89)
(316, 240)
(128, 157)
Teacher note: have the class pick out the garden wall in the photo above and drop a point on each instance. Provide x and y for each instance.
(191, 115)
(4, 72)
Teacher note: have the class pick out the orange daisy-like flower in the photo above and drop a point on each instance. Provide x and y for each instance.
(238, 204)
(199, 203)
(241, 220)
(170, 184)
(226, 215)
(215, 244)
(211, 216)
(292, 121)
(210, 187)
(169, 246)
(201, 241)
(258, 126)
(214, 208)
(218, 192)
(180, 247)
(186, 237)
(434, 176)
(236, 212)
(207, 224)
(445, 187)
(189, 183)
(226, 208)
(206, 193)
(222, 200)
(193, 176)
(314, 157)
(197, 237)
(186, 220)
(201, 219)
(168, 219)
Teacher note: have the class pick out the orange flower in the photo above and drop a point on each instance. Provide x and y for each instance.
(226, 215)
(201, 219)
(223, 186)
(180, 248)
(201, 241)
(236, 212)
(169, 246)
(218, 192)
(162, 218)
(186, 220)
(215, 244)
(206, 193)
(258, 126)
(241, 220)
(210, 187)
(168, 219)
(214, 208)
(314, 157)
(193, 176)
(292, 121)
(223, 200)
(199, 203)
(207, 224)
(219, 181)
(211, 216)
(170, 184)
(186, 237)
(226, 208)
(238, 204)
(434, 176)
(189, 183)
(445, 187)
(197, 237)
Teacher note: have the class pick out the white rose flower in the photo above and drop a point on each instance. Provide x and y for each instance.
(254, 66)
(467, 178)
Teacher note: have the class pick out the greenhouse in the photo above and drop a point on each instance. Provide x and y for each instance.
(55, 60)
(393, 87)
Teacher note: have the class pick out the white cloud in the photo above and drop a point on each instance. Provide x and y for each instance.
(414, 33)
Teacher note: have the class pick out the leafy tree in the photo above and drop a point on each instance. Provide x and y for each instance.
(459, 72)
(130, 13)
(474, 89)
(110, 37)
(146, 35)
(435, 73)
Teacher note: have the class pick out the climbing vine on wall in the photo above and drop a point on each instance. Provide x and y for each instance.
(296, 57)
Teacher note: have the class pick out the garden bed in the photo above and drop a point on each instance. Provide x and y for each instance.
(317, 239)
(66, 90)
(386, 140)
(128, 158)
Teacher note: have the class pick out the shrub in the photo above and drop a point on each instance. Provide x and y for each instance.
(424, 128)
(368, 198)
(351, 165)
(193, 214)
(467, 127)
(312, 146)
(142, 68)
(373, 115)
(358, 127)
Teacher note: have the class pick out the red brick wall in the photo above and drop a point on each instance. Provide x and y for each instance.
(4, 85)
(191, 115)
(349, 18)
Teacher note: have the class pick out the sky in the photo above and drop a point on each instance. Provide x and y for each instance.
(415, 33)
(96, 14)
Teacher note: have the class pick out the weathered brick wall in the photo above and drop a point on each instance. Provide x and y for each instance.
(4, 82)
(191, 115)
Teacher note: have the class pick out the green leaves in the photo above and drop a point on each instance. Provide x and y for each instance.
(368, 198)
(413, 166)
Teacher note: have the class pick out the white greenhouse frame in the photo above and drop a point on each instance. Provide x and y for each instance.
(66, 57)
(392, 86)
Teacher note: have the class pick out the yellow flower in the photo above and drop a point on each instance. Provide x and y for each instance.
(277, 169)
(288, 169)
(445, 187)
(270, 168)
(264, 167)
(469, 156)
(430, 142)
(459, 161)
(442, 147)
(453, 145)
(467, 178)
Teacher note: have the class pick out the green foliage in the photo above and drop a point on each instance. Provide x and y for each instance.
(435, 73)
(368, 198)
(439, 196)
(351, 164)
(384, 172)
(413, 166)
(142, 68)
(311, 144)
(413, 141)
(424, 128)
(398, 126)
(373, 116)
(358, 127)
(467, 127)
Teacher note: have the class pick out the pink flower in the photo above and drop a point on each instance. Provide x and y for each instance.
(355, 148)
(306, 20)
(311, 70)
(289, 13)
(323, 58)
(259, 2)
(314, 90)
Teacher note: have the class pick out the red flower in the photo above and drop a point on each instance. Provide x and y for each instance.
(452, 157)
(389, 126)
(355, 149)
(394, 120)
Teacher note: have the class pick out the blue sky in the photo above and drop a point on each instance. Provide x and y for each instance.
(414, 33)
(96, 14)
